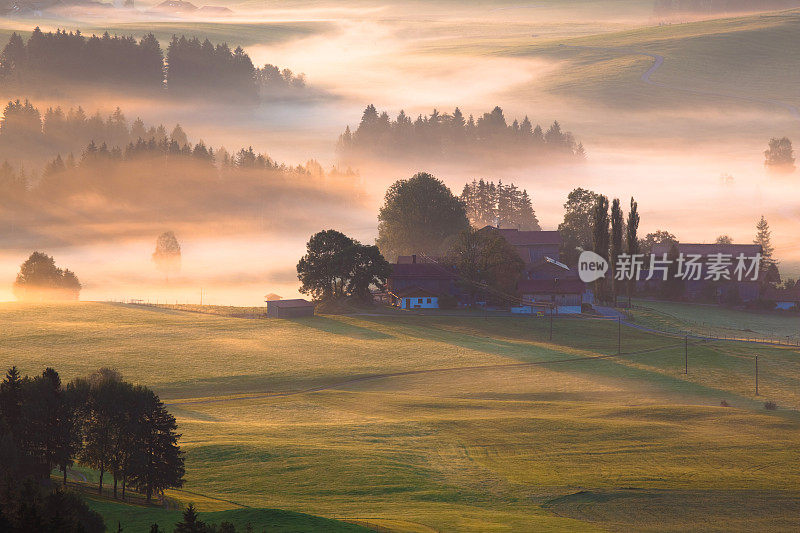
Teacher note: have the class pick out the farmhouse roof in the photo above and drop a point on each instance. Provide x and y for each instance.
(421, 270)
(412, 292)
(551, 286)
(285, 304)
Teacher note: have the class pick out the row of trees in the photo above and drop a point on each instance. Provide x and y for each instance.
(58, 60)
(611, 237)
(453, 135)
(100, 421)
(28, 134)
(503, 206)
(149, 185)
(577, 228)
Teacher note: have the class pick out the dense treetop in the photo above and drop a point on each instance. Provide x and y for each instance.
(419, 215)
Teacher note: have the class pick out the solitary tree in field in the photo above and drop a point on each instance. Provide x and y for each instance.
(167, 255)
(40, 279)
(419, 215)
(779, 156)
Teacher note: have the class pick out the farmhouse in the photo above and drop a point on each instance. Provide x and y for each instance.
(532, 246)
(417, 284)
(289, 308)
(546, 279)
(726, 289)
(562, 296)
(786, 299)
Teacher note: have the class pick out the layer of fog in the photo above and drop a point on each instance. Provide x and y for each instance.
(674, 162)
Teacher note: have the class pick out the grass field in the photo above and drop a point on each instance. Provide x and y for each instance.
(714, 320)
(136, 518)
(749, 57)
(505, 432)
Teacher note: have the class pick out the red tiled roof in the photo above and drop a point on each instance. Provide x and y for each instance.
(551, 286)
(299, 302)
(415, 292)
(421, 270)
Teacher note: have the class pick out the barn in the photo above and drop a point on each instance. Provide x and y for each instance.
(289, 308)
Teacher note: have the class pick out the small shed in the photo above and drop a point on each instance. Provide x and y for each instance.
(289, 308)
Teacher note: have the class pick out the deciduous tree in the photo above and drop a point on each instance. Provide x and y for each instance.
(420, 215)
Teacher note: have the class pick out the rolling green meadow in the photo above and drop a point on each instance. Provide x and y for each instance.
(742, 58)
(443, 423)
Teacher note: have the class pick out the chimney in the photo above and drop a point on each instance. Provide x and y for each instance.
(414, 259)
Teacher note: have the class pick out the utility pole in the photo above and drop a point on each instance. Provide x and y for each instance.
(619, 335)
(551, 323)
(201, 296)
(756, 375)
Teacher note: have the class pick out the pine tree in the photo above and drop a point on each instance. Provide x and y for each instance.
(617, 222)
(191, 523)
(763, 238)
(527, 216)
(600, 238)
(632, 238)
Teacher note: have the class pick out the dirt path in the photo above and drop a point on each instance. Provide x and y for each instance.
(658, 61)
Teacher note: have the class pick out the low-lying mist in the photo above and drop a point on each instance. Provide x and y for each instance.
(696, 169)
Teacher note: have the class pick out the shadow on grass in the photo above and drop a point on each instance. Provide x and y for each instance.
(681, 510)
(335, 327)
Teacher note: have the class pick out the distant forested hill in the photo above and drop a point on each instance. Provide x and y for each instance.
(61, 62)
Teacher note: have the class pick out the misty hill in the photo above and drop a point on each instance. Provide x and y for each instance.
(56, 63)
(457, 138)
(107, 192)
(667, 7)
(176, 6)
